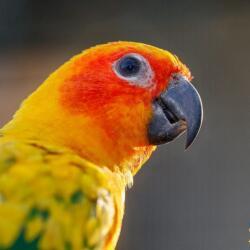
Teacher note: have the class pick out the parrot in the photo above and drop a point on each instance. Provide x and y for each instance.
(73, 147)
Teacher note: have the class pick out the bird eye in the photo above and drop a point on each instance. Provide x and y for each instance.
(135, 69)
(129, 66)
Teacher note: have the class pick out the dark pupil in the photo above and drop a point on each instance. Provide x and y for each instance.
(129, 66)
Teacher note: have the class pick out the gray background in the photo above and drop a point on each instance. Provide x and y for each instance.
(194, 200)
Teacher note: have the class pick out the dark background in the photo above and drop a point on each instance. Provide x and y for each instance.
(194, 200)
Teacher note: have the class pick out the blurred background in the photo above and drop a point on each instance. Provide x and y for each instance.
(194, 200)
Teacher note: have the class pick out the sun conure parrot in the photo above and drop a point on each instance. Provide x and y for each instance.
(76, 142)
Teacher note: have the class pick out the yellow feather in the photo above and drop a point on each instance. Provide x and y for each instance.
(53, 195)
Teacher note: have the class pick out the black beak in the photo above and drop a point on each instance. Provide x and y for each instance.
(176, 110)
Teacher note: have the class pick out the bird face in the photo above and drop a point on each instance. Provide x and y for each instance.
(137, 94)
(112, 104)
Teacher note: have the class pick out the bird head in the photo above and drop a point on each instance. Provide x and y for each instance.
(112, 104)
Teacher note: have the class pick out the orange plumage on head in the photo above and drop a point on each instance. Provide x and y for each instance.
(94, 89)
(84, 105)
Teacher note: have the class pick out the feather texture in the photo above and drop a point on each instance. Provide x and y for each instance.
(52, 199)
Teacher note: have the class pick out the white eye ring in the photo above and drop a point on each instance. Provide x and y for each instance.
(135, 69)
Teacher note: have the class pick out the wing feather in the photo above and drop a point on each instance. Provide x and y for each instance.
(51, 199)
